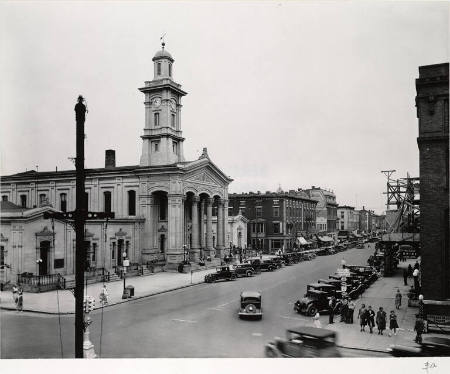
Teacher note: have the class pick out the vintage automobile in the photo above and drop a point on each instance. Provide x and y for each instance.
(277, 260)
(244, 270)
(262, 265)
(430, 347)
(360, 245)
(250, 305)
(316, 299)
(368, 272)
(222, 273)
(306, 342)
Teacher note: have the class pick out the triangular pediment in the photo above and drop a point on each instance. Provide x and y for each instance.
(204, 171)
(203, 177)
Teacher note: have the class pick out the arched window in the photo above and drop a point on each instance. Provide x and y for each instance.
(158, 68)
(131, 203)
(63, 202)
(107, 202)
(170, 70)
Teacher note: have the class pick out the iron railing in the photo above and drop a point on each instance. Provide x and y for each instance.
(96, 273)
(41, 280)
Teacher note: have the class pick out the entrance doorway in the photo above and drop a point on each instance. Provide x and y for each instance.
(162, 243)
(120, 252)
(44, 250)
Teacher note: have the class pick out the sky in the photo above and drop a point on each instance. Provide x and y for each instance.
(291, 94)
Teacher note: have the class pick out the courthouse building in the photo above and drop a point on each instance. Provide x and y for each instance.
(163, 205)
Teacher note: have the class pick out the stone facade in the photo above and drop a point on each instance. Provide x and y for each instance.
(348, 218)
(161, 206)
(433, 142)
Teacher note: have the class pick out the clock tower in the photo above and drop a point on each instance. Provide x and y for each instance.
(162, 138)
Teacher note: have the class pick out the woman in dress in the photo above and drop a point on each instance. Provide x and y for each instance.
(393, 325)
(362, 315)
(381, 321)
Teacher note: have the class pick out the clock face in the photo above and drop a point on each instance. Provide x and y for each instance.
(157, 101)
(172, 105)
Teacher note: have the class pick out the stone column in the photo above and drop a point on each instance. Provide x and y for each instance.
(226, 236)
(194, 253)
(202, 227)
(219, 246)
(147, 209)
(175, 229)
(209, 233)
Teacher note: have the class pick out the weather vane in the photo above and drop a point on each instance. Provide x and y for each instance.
(163, 43)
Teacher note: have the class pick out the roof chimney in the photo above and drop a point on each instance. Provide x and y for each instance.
(110, 159)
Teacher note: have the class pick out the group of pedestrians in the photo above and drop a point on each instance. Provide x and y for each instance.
(17, 293)
(367, 317)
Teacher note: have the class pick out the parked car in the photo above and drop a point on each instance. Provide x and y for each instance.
(306, 342)
(250, 305)
(316, 299)
(360, 245)
(430, 347)
(244, 270)
(277, 260)
(222, 273)
(262, 265)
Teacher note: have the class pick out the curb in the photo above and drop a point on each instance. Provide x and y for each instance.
(105, 306)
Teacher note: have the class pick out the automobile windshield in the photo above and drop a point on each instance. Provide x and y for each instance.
(251, 300)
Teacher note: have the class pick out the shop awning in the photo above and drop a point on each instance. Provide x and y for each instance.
(325, 239)
(302, 240)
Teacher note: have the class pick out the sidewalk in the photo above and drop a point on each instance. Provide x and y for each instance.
(47, 302)
(380, 294)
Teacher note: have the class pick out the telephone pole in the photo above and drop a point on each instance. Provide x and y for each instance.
(79, 217)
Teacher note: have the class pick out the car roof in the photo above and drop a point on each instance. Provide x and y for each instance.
(318, 292)
(251, 294)
(312, 331)
(320, 285)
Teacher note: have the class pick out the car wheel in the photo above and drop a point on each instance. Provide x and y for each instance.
(249, 273)
(271, 352)
(312, 310)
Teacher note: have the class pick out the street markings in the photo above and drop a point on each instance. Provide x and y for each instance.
(183, 320)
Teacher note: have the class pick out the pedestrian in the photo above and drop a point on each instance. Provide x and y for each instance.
(410, 271)
(362, 316)
(104, 296)
(393, 325)
(350, 311)
(344, 310)
(332, 305)
(398, 299)
(15, 294)
(419, 327)
(19, 305)
(316, 320)
(405, 276)
(416, 280)
(370, 318)
(381, 321)
(417, 265)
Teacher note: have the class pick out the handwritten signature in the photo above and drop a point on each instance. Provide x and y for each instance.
(429, 365)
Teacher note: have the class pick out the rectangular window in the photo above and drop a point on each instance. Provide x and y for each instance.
(23, 201)
(107, 202)
(172, 120)
(276, 211)
(158, 68)
(242, 203)
(4, 197)
(175, 147)
(63, 202)
(58, 263)
(156, 119)
(94, 252)
(260, 228)
(253, 228)
(113, 250)
(170, 70)
(2, 256)
(275, 202)
(42, 199)
(259, 211)
(131, 203)
(276, 228)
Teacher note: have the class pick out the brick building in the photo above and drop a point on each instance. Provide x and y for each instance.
(276, 219)
(433, 143)
(326, 210)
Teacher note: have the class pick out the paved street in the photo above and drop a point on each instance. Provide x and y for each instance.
(199, 321)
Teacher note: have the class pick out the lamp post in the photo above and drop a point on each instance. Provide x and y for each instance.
(125, 263)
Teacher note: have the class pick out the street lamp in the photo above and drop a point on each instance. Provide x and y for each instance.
(126, 263)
